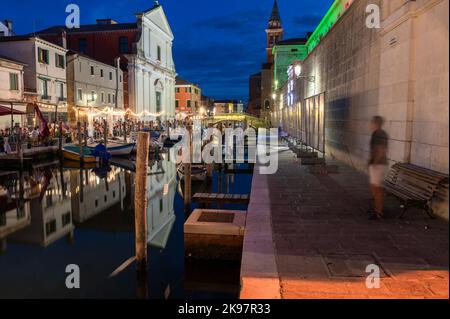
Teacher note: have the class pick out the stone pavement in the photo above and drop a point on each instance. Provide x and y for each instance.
(308, 236)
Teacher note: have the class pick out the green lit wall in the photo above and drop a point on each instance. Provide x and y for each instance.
(333, 14)
(285, 55)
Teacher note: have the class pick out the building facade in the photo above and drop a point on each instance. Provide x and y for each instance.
(45, 82)
(94, 90)
(145, 51)
(254, 100)
(188, 98)
(6, 28)
(11, 91)
(228, 106)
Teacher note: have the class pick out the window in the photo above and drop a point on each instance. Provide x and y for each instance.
(80, 95)
(60, 61)
(188, 103)
(196, 104)
(177, 103)
(109, 97)
(177, 90)
(13, 81)
(123, 45)
(50, 227)
(159, 53)
(43, 56)
(120, 79)
(44, 89)
(61, 91)
(82, 46)
(102, 97)
(92, 70)
(101, 73)
(66, 219)
(161, 205)
(93, 96)
(110, 76)
(158, 102)
(114, 98)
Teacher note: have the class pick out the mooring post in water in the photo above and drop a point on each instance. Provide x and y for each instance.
(124, 131)
(105, 132)
(60, 140)
(140, 201)
(187, 170)
(80, 139)
(85, 134)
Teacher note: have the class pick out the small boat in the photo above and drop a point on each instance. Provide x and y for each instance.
(198, 172)
(116, 148)
(73, 153)
(90, 155)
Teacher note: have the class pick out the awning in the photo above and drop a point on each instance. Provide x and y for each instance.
(6, 110)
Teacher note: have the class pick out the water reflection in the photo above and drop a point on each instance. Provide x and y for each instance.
(56, 215)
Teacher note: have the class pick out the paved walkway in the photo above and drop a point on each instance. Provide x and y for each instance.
(308, 236)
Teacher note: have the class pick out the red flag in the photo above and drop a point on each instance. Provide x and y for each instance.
(43, 127)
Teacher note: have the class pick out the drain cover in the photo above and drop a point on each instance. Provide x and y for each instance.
(349, 265)
(213, 217)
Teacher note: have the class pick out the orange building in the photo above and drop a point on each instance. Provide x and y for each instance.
(188, 97)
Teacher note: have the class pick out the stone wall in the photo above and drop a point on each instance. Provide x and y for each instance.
(399, 71)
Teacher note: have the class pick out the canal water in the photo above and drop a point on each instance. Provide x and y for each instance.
(56, 215)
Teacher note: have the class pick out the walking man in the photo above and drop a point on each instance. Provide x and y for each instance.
(378, 165)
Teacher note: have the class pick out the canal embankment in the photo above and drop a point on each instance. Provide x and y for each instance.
(308, 236)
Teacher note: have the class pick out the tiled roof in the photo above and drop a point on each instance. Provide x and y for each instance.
(90, 28)
(292, 41)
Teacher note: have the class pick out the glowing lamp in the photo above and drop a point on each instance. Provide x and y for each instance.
(298, 70)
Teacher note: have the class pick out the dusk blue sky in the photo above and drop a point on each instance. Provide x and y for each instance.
(218, 43)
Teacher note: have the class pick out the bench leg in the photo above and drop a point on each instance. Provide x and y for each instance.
(404, 210)
(430, 212)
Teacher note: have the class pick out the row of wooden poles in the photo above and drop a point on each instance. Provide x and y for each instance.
(141, 201)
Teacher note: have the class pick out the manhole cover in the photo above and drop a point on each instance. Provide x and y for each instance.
(351, 265)
(212, 217)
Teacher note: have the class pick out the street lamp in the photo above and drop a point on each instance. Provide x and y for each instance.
(297, 69)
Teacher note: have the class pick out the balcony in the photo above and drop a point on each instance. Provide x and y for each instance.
(62, 99)
(46, 97)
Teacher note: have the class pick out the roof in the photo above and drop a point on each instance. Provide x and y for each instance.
(11, 60)
(227, 102)
(180, 81)
(90, 28)
(275, 19)
(293, 41)
(16, 38)
(275, 15)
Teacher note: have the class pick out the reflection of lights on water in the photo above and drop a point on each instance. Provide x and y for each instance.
(166, 189)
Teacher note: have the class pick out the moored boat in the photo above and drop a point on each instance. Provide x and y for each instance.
(198, 172)
(82, 154)
(116, 148)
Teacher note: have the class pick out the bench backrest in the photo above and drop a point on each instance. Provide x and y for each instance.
(416, 180)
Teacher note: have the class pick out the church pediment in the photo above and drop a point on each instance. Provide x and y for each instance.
(159, 18)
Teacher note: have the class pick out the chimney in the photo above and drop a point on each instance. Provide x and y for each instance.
(63, 39)
(106, 21)
(9, 25)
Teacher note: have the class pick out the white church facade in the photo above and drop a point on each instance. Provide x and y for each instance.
(151, 69)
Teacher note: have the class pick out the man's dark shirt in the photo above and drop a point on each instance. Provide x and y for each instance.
(378, 142)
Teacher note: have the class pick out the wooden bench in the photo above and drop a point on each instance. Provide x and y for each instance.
(414, 186)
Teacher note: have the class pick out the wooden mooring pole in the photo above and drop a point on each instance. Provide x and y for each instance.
(187, 171)
(105, 132)
(140, 201)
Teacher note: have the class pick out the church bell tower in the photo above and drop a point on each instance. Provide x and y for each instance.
(274, 31)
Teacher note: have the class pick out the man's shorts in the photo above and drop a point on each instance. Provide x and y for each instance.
(377, 173)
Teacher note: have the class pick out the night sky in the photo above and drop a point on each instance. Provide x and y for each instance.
(218, 43)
